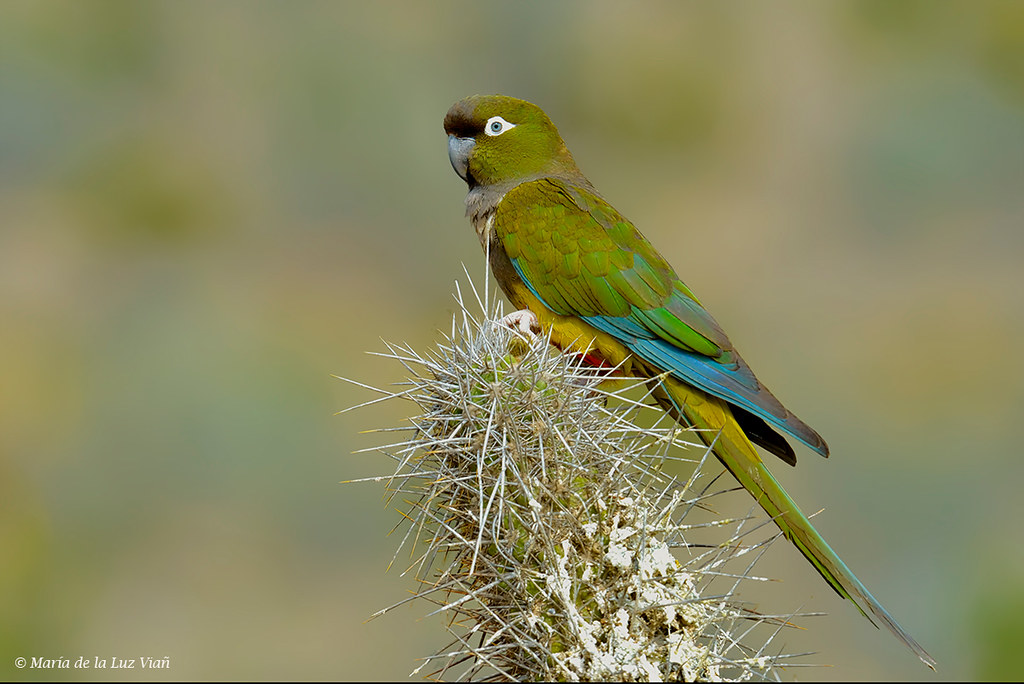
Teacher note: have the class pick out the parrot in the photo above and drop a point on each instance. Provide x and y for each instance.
(579, 271)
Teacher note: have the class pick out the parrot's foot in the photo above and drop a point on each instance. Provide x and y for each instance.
(523, 321)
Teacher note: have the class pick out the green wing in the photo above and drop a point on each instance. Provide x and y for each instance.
(583, 258)
(580, 257)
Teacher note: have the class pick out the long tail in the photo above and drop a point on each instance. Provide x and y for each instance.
(721, 432)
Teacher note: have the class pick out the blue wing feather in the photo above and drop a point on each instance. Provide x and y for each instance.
(732, 381)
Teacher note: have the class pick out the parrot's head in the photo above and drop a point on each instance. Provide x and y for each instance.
(494, 139)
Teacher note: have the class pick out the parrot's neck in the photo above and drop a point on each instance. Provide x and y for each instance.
(481, 203)
(483, 200)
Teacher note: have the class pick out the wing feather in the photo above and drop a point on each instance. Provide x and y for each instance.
(582, 258)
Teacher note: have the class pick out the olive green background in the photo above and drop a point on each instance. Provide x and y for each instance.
(206, 209)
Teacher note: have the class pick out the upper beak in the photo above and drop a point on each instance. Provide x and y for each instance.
(459, 150)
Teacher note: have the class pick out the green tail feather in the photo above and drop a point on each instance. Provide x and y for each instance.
(722, 433)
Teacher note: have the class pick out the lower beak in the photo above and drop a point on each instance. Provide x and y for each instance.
(459, 150)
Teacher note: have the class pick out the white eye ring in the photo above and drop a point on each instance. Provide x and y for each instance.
(496, 126)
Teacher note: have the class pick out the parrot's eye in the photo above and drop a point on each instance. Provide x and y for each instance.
(496, 126)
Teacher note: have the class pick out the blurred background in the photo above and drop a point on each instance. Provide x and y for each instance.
(206, 209)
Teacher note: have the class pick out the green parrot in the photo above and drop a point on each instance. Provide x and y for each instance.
(577, 269)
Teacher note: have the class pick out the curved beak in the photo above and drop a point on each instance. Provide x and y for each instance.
(459, 150)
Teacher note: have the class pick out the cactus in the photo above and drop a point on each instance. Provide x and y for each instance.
(542, 520)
